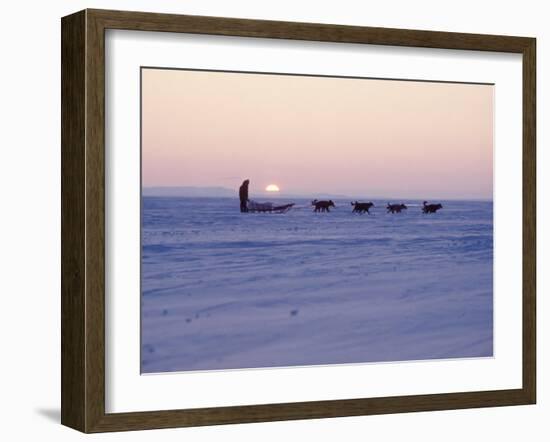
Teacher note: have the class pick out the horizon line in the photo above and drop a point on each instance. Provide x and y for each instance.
(304, 194)
(321, 195)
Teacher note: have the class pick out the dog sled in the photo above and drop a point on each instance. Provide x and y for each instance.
(256, 207)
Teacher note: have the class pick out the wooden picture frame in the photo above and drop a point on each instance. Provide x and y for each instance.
(83, 220)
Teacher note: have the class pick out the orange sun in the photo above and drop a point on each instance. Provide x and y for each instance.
(272, 188)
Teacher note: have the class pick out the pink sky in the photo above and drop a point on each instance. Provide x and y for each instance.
(308, 135)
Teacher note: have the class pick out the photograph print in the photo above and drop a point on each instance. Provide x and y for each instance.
(303, 220)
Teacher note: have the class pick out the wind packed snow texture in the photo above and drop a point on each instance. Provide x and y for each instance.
(224, 290)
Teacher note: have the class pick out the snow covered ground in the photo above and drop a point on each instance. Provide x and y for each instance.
(222, 290)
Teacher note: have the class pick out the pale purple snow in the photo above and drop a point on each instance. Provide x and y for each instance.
(222, 290)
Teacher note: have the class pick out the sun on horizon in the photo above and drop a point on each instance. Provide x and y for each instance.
(272, 188)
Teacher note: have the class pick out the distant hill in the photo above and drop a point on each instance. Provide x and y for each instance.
(189, 191)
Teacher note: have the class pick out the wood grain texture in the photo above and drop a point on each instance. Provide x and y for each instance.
(145, 21)
(95, 222)
(73, 128)
(83, 220)
(529, 220)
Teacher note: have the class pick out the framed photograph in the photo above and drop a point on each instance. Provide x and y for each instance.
(270, 220)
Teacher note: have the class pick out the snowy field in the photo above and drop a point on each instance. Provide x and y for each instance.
(224, 290)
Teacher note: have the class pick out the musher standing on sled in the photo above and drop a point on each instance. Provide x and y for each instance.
(243, 195)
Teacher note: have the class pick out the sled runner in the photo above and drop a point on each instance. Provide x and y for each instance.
(255, 207)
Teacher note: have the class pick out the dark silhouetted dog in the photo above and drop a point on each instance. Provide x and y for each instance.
(395, 208)
(322, 206)
(361, 207)
(430, 208)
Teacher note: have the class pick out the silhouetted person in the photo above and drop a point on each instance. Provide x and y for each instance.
(243, 195)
